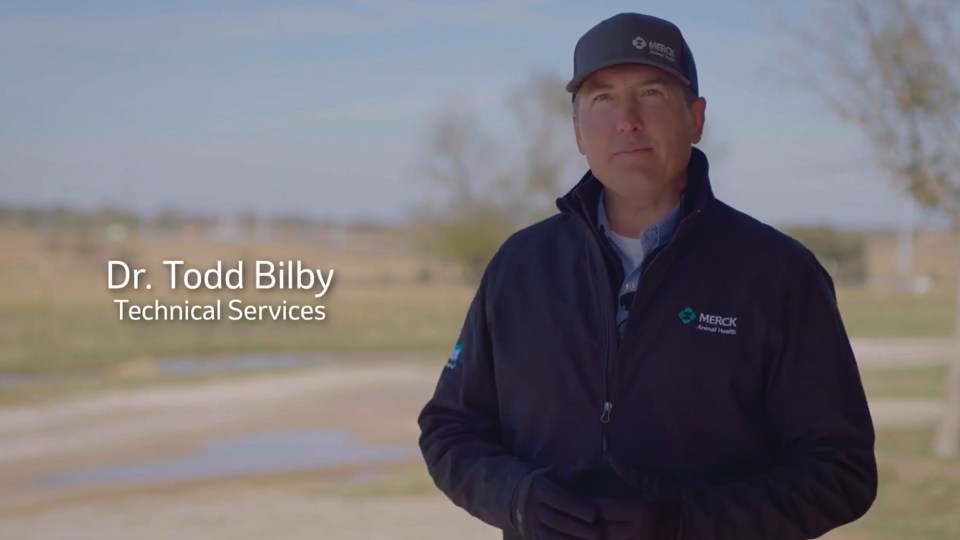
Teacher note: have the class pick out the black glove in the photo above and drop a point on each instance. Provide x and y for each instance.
(652, 514)
(546, 511)
(638, 519)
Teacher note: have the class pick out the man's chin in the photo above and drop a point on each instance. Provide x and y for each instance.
(637, 183)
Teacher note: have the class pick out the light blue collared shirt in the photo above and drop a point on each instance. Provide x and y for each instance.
(632, 251)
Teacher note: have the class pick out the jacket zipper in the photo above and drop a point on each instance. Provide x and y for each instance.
(608, 400)
(606, 308)
(607, 404)
(607, 353)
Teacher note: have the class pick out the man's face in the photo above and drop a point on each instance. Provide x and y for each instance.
(635, 126)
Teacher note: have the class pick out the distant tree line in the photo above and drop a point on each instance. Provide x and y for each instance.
(842, 253)
(61, 217)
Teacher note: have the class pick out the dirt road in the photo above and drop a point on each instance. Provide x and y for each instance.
(81, 468)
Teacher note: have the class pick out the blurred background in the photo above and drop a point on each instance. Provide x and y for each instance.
(399, 143)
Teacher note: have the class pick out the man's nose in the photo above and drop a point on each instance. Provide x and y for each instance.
(628, 117)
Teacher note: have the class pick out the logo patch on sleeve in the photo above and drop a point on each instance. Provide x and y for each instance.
(454, 356)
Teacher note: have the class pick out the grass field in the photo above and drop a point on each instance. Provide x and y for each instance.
(921, 382)
(919, 495)
(57, 316)
(57, 320)
(869, 313)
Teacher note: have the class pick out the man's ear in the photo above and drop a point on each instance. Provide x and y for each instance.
(576, 131)
(698, 111)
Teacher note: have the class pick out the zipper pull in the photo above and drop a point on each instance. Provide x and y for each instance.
(605, 417)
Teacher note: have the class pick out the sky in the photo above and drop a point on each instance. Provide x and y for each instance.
(320, 108)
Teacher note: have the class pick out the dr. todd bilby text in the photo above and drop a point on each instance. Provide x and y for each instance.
(289, 275)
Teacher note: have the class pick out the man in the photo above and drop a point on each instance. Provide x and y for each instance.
(650, 363)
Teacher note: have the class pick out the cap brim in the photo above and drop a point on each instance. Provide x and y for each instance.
(575, 82)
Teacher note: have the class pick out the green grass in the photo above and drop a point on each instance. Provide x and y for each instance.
(918, 496)
(401, 480)
(84, 337)
(927, 382)
(56, 315)
(65, 325)
(876, 314)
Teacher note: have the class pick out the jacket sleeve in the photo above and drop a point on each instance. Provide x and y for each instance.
(825, 474)
(460, 431)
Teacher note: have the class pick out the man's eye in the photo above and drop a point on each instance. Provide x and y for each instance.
(653, 92)
(601, 97)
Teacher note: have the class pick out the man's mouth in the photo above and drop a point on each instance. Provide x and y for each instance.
(633, 151)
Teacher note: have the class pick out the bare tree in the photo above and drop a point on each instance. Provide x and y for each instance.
(892, 68)
(486, 187)
(543, 112)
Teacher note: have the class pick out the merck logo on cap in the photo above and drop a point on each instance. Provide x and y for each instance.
(663, 51)
(656, 49)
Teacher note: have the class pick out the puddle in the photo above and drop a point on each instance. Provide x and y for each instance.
(13, 379)
(186, 366)
(180, 366)
(265, 452)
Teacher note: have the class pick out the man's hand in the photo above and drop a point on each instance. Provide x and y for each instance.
(551, 512)
(637, 519)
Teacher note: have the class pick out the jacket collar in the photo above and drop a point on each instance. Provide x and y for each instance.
(582, 199)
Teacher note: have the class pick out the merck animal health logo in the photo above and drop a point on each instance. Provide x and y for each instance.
(716, 324)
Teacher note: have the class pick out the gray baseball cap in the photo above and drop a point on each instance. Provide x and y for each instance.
(632, 38)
